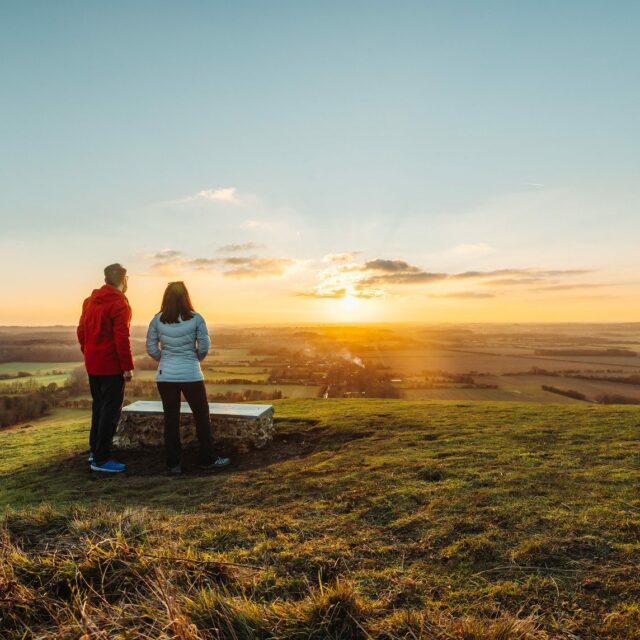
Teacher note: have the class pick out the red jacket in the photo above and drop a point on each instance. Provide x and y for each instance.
(103, 332)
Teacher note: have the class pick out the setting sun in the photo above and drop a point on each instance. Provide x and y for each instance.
(350, 303)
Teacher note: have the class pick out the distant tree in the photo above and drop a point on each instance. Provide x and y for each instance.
(77, 382)
(569, 393)
(26, 406)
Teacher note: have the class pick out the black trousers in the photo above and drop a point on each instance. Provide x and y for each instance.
(195, 393)
(108, 395)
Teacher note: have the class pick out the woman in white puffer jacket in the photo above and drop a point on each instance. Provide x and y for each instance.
(178, 338)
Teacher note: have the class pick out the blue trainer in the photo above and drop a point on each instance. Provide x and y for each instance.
(218, 463)
(90, 456)
(110, 466)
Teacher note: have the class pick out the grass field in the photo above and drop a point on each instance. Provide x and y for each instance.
(34, 381)
(42, 373)
(231, 355)
(413, 361)
(214, 376)
(289, 390)
(364, 519)
(519, 392)
(38, 368)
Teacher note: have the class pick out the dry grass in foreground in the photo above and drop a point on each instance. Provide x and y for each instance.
(366, 519)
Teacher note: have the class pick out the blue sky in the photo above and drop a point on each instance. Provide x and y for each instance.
(451, 136)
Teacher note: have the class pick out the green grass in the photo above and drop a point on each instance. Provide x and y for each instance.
(365, 519)
(229, 355)
(41, 373)
(38, 368)
(289, 390)
(38, 381)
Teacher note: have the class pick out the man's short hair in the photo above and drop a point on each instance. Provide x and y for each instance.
(114, 274)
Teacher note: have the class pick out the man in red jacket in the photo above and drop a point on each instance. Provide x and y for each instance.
(103, 333)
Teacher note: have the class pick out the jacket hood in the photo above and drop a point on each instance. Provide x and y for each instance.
(106, 293)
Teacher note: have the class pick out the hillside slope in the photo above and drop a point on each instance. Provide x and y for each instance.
(365, 519)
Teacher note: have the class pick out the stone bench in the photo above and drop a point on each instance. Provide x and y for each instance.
(237, 426)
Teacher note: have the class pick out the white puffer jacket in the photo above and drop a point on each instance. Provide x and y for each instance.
(179, 347)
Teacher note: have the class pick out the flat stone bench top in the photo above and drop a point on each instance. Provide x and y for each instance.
(151, 407)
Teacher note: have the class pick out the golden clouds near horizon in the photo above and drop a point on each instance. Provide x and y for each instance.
(244, 287)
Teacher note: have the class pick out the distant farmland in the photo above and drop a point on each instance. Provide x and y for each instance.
(458, 361)
(422, 363)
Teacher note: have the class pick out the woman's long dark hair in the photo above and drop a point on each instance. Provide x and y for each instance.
(176, 303)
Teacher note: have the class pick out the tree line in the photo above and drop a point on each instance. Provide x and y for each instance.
(25, 406)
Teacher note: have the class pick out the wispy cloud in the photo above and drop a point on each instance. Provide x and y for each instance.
(171, 260)
(201, 264)
(164, 254)
(390, 272)
(522, 273)
(513, 282)
(224, 194)
(164, 259)
(463, 295)
(256, 267)
(343, 275)
(321, 293)
(563, 272)
(572, 285)
(340, 257)
(377, 277)
(419, 277)
(329, 293)
(235, 248)
(218, 195)
(475, 275)
(393, 266)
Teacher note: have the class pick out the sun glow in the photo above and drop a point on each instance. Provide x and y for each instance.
(350, 308)
(349, 302)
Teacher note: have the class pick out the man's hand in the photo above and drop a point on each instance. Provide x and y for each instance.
(128, 376)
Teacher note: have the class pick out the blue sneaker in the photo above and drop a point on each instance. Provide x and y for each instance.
(90, 456)
(218, 463)
(110, 466)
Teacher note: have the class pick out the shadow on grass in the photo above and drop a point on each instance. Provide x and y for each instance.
(69, 475)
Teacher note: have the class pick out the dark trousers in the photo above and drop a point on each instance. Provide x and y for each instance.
(195, 394)
(108, 395)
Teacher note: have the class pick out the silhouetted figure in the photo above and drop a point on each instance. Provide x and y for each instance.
(178, 338)
(103, 333)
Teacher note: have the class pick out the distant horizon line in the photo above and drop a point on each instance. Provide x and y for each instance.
(363, 324)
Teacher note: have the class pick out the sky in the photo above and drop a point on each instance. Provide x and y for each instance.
(303, 162)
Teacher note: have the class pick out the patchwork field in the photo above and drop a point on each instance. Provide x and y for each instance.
(382, 519)
(37, 368)
(500, 362)
(509, 392)
(414, 361)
